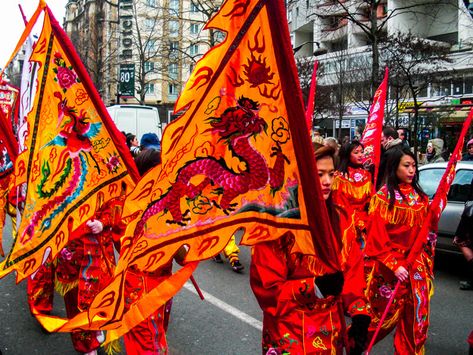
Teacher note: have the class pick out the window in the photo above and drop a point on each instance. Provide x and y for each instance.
(429, 180)
(441, 89)
(469, 85)
(173, 28)
(219, 36)
(149, 24)
(173, 71)
(194, 28)
(149, 88)
(458, 86)
(194, 49)
(150, 46)
(149, 66)
(174, 46)
(460, 189)
(173, 50)
(172, 89)
(194, 7)
(174, 5)
(289, 16)
(151, 3)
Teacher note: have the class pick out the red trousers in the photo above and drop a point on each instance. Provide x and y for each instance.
(40, 289)
(148, 337)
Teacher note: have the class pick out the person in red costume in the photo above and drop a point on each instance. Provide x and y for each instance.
(352, 189)
(397, 212)
(299, 301)
(86, 265)
(149, 336)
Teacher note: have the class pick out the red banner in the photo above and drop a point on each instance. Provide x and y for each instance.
(371, 136)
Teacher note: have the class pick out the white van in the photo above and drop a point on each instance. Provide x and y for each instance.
(136, 119)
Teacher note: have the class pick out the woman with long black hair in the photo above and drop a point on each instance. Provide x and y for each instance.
(397, 212)
(352, 189)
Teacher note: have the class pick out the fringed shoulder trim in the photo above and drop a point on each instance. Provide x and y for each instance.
(400, 213)
(358, 190)
(64, 287)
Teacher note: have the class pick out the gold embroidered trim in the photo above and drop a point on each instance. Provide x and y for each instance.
(357, 190)
(397, 214)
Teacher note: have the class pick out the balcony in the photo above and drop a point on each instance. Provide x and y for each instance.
(329, 8)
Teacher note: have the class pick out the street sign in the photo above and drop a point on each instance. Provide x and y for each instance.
(127, 80)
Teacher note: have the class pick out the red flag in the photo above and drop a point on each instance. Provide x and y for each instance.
(311, 100)
(9, 101)
(371, 136)
(8, 146)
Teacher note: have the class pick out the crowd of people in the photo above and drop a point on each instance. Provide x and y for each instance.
(377, 233)
(376, 222)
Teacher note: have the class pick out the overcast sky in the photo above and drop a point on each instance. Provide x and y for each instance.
(12, 25)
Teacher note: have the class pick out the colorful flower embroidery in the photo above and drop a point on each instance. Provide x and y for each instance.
(65, 76)
(385, 291)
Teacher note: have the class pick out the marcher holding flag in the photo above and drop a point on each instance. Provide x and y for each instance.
(298, 298)
(397, 212)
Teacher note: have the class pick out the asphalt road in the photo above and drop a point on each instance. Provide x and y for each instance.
(228, 321)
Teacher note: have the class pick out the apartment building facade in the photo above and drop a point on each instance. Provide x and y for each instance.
(336, 30)
(145, 49)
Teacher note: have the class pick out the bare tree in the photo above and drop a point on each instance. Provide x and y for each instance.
(371, 17)
(414, 64)
(95, 41)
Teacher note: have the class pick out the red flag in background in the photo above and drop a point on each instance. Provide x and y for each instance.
(371, 136)
(9, 101)
(309, 113)
(239, 157)
(76, 159)
(8, 147)
(8, 153)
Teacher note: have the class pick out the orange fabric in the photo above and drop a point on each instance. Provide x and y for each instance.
(239, 155)
(72, 158)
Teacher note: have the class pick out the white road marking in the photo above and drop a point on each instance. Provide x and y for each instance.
(227, 308)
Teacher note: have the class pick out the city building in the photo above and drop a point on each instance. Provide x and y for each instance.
(143, 51)
(338, 34)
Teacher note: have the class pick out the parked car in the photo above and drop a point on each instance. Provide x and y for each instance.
(429, 179)
(136, 119)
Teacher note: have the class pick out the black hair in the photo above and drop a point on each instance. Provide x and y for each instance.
(393, 159)
(390, 132)
(147, 159)
(344, 155)
(129, 139)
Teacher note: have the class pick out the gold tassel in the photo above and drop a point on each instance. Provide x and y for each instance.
(113, 347)
(62, 287)
(350, 188)
(397, 214)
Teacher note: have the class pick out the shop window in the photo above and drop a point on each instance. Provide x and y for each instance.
(458, 87)
(468, 85)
